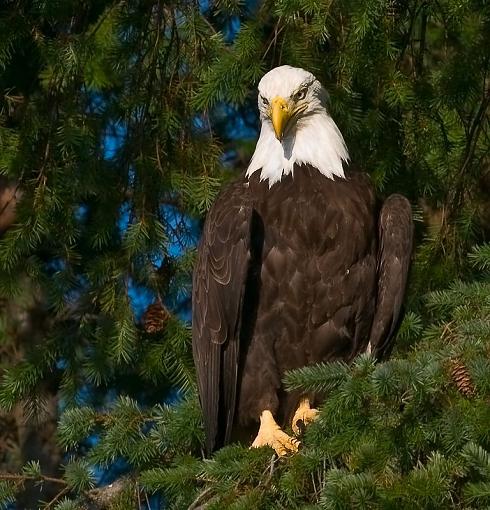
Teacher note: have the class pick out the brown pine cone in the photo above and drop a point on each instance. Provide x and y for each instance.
(155, 318)
(461, 378)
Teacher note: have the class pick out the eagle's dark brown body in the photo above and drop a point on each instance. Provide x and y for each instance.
(309, 270)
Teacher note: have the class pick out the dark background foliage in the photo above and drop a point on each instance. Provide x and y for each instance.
(119, 122)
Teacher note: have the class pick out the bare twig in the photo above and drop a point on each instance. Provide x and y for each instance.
(200, 498)
(23, 478)
(56, 498)
(476, 126)
(273, 42)
(419, 63)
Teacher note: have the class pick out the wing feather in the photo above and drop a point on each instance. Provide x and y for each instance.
(394, 254)
(218, 288)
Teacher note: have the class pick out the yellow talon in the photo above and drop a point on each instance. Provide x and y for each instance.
(270, 434)
(303, 415)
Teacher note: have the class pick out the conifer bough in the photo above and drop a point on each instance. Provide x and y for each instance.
(120, 121)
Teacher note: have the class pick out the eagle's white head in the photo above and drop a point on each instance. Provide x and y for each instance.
(296, 127)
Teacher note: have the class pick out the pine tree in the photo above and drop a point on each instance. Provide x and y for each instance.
(118, 126)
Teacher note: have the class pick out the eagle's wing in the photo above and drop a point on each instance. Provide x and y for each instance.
(218, 287)
(394, 254)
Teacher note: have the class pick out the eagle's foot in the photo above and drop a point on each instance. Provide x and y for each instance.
(270, 434)
(303, 415)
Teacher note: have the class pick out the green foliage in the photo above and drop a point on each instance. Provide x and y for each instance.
(480, 256)
(397, 433)
(113, 121)
(32, 469)
(321, 377)
(7, 494)
(75, 425)
(176, 482)
(78, 475)
(178, 428)
(66, 504)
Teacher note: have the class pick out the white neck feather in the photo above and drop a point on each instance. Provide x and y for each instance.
(316, 140)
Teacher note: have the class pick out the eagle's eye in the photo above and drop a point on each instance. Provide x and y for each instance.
(301, 94)
(264, 101)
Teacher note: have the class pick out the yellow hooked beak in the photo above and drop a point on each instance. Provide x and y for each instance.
(280, 115)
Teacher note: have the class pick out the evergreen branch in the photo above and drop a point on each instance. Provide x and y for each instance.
(21, 478)
(56, 498)
(406, 87)
(103, 17)
(454, 199)
(104, 496)
(202, 496)
(478, 493)
(321, 377)
(480, 256)
(278, 28)
(419, 62)
(408, 34)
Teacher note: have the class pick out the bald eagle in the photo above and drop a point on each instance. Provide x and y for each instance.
(297, 264)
